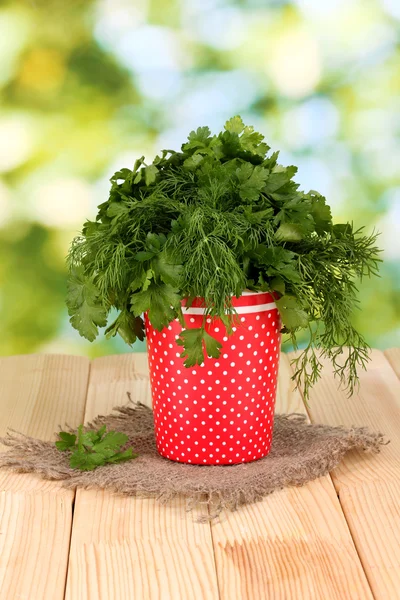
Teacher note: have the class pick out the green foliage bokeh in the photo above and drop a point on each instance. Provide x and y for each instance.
(88, 86)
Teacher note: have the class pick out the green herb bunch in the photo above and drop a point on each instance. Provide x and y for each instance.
(217, 218)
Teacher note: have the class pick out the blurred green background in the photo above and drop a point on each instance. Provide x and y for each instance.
(87, 86)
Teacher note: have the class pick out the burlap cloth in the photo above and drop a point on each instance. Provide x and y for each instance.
(300, 452)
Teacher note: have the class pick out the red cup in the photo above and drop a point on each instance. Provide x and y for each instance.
(221, 412)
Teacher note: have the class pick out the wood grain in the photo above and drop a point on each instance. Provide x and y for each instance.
(37, 393)
(377, 406)
(393, 356)
(125, 548)
(293, 544)
(369, 485)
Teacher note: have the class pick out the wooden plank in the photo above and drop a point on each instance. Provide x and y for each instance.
(293, 544)
(393, 356)
(132, 547)
(37, 393)
(369, 485)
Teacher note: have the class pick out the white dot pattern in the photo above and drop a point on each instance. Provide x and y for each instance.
(223, 413)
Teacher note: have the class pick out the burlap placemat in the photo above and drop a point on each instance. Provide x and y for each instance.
(300, 452)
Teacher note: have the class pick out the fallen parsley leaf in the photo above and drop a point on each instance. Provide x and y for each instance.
(86, 461)
(67, 440)
(121, 456)
(93, 448)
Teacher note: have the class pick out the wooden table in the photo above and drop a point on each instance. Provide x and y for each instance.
(335, 538)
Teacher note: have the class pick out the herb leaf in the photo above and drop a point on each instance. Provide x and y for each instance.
(85, 307)
(128, 326)
(192, 342)
(167, 269)
(252, 181)
(122, 456)
(212, 346)
(67, 440)
(150, 174)
(86, 461)
(93, 448)
(161, 301)
(234, 125)
(293, 317)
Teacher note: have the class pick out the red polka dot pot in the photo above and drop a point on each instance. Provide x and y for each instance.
(222, 412)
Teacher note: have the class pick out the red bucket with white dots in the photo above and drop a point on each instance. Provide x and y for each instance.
(221, 412)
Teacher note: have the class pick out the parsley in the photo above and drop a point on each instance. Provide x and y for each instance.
(87, 311)
(91, 449)
(211, 220)
(195, 342)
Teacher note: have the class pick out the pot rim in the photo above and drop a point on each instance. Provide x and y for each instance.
(241, 310)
